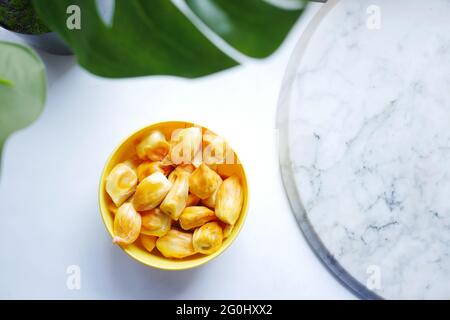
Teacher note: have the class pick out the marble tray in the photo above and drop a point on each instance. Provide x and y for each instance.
(364, 138)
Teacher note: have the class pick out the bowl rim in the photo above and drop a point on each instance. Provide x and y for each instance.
(172, 267)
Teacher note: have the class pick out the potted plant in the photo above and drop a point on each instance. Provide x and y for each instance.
(20, 17)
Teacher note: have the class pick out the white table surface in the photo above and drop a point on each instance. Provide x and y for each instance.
(50, 175)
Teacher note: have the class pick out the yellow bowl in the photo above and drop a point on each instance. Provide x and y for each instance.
(125, 151)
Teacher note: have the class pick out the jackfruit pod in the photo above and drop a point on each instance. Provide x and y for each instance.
(151, 191)
(112, 208)
(192, 200)
(193, 217)
(204, 181)
(147, 168)
(214, 149)
(175, 244)
(155, 223)
(121, 182)
(181, 168)
(229, 200)
(187, 167)
(208, 238)
(176, 199)
(211, 201)
(154, 147)
(186, 145)
(127, 225)
(227, 229)
(148, 242)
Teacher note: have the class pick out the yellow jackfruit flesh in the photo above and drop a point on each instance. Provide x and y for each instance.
(112, 208)
(154, 147)
(155, 223)
(204, 182)
(147, 168)
(187, 167)
(167, 188)
(192, 200)
(186, 146)
(127, 225)
(210, 202)
(193, 217)
(121, 182)
(208, 238)
(229, 200)
(148, 242)
(175, 244)
(227, 229)
(214, 149)
(176, 199)
(151, 191)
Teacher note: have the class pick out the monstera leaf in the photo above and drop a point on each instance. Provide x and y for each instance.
(164, 37)
(22, 88)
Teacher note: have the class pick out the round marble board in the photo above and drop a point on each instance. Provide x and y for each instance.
(364, 125)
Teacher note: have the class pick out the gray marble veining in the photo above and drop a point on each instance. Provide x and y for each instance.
(366, 120)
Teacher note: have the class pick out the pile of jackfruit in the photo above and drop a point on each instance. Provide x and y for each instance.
(171, 197)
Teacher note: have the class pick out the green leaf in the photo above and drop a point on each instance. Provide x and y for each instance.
(146, 38)
(156, 38)
(253, 27)
(22, 88)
